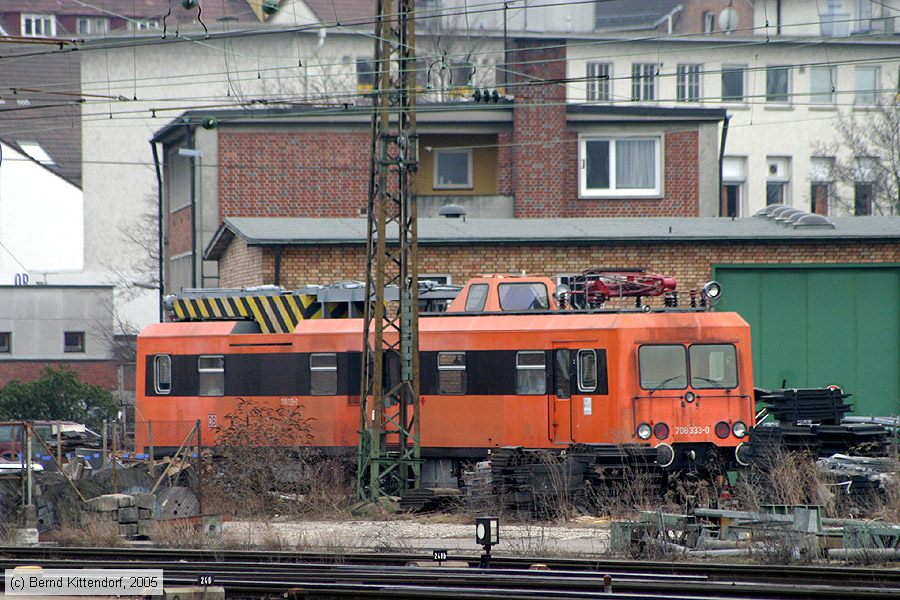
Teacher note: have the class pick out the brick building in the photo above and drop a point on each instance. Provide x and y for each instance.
(296, 252)
(529, 159)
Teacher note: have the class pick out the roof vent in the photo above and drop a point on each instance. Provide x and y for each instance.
(793, 217)
(452, 211)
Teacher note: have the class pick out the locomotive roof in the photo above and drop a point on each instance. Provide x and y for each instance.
(262, 231)
(462, 322)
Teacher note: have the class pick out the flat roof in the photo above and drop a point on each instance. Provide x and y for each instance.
(263, 231)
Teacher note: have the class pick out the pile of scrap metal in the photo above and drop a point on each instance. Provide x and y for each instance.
(851, 451)
(785, 532)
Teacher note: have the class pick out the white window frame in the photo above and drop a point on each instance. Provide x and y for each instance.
(613, 191)
(858, 93)
(787, 92)
(578, 367)
(143, 24)
(33, 17)
(784, 180)
(709, 22)
(830, 99)
(89, 25)
(688, 79)
(743, 70)
(436, 153)
(157, 380)
(644, 82)
(598, 86)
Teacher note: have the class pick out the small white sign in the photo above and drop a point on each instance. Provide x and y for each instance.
(588, 405)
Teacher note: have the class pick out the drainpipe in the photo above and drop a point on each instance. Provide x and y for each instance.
(722, 159)
(277, 265)
(159, 234)
(778, 17)
(190, 144)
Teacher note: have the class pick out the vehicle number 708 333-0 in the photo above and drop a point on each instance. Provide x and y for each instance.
(692, 430)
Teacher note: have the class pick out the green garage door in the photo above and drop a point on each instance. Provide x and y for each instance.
(817, 326)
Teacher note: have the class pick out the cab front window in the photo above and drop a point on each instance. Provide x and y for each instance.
(663, 367)
(713, 366)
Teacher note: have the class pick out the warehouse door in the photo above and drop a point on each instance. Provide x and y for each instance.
(817, 326)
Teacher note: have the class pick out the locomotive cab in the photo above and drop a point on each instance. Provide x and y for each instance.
(505, 293)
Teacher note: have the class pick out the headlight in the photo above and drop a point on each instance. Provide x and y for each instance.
(739, 429)
(644, 431)
(689, 397)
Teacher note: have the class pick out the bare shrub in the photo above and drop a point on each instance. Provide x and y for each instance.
(625, 495)
(786, 478)
(178, 534)
(262, 466)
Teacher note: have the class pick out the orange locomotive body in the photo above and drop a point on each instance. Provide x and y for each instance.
(678, 380)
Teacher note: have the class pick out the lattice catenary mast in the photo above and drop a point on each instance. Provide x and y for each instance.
(388, 455)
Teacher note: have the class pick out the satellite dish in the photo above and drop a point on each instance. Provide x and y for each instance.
(728, 19)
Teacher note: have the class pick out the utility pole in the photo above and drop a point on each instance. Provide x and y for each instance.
(388, 454)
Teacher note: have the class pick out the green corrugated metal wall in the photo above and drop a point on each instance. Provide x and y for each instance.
(815, 326)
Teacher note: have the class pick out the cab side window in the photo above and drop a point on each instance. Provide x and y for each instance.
(587, 371)
(563, 380)
(323, 374)
(451, 373)
(162, 373)
(531, 372)
(212, 375)
(475, 301)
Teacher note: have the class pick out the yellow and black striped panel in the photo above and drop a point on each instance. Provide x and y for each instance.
(274, 314)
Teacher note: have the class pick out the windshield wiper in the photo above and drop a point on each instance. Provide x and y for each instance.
(664, 382)
(712, 381)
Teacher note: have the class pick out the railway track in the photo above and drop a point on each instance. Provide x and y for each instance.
(322, 575)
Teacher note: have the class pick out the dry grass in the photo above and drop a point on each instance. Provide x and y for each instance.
(91, 533)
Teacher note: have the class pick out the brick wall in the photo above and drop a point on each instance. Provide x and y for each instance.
(178, 236)
(97, 372)
(540, 151)
(244, 265)
(690, 263)
(690, 19)
(292, 174)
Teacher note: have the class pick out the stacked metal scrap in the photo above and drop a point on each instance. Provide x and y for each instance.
(819, 405)
(860, 478)
(811, 420)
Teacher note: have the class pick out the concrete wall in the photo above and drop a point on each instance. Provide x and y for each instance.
(38, 315)
(41, 216)
(804, 17)
(757, 129)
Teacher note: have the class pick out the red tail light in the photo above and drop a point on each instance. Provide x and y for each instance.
(723, 429)
(661, 431)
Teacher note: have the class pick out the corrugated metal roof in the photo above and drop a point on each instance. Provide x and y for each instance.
(258, 231)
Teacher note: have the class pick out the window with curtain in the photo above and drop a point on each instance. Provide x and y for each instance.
(619, 166)
(777, 86)
(687, 83)
(821, 85)
(599, 82)
(733, 83)
(866, 85)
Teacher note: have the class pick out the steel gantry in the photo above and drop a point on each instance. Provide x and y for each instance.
(388, 455)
